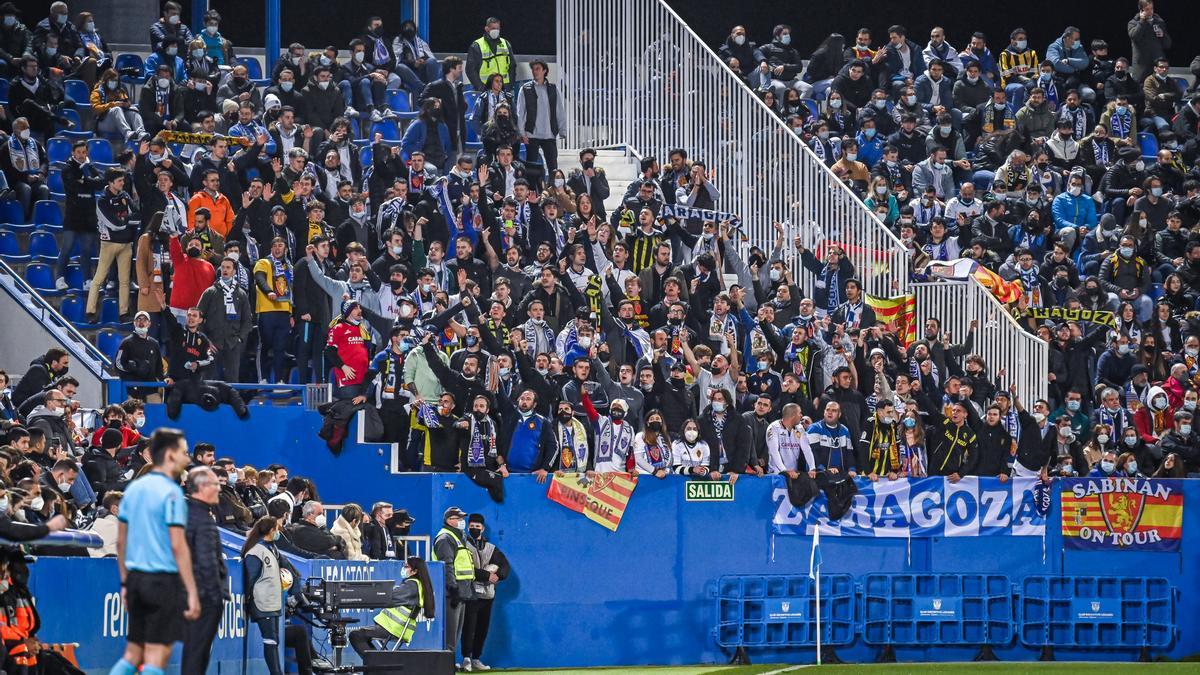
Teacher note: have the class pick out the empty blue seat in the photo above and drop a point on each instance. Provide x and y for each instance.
(100, 151)
(73, 115)
(43, 246)
(10, 248)
(78, 91)
(74, 277)
(130, 61)
(55, 183)
(11, 212)
(58, 149)
(1149, 145)
(812, 106)
(388, 128)
(253, 70)
(1182, 83)
(41, 277)
(72, 308)
(398, 101)
(110, 312)
(108, 341)
(364, 155)
(47, 212)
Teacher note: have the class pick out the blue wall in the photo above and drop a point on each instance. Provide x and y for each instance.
(640, 595)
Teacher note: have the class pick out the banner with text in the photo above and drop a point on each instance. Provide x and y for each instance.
(602, 500)
(684, 212)
(920, 507)
(1122, 514)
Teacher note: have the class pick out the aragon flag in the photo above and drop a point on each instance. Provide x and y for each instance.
(899, 312)
(602, 500)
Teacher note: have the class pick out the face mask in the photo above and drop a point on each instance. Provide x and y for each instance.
(851, 156)
(1126, 251)
(172, 51)
(909, 423)
(471, 341)
(835, 103)
(272, 488)
(565, 415)
(60, 19)
(785, 39)
(320, 521)
(197, 53)
(1157, 192)
(1075, 190)
(4, 505)
(1185, 429)
(691, 435)
(763, 366)
(972, 79)
(881, 190)
(494, 33)
(111, 84)
(585, 342)
(173, 19)
(823, 135)
(775, 274)
(1122, 349)
(37, 503)
(738, 40)
(164, 82)
(193, 253)
(1130, 441)
(1039, 417)
(426, 288)
(1189, 405)
(559, 182)
(211, 30)
(1102, 439)
(1139, 166)
(718, 406)
(323, 85)
(945, 131)
(359, 56)
(324, 60)
(1073, 406)
(1107, 466)
(139, 421)
(910, 100)
(10, 21)
(286, 86)
(655, 426)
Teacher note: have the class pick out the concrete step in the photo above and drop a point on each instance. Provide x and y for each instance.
(620, 168)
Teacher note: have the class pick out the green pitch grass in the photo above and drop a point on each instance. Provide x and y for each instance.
(1029, 668)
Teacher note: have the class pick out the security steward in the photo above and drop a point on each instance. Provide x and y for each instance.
(412, 599)
(491, 55)
(450, 548)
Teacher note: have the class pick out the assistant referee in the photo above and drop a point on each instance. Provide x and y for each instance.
(153, 556)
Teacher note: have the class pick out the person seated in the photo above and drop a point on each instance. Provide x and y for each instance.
(311, 538)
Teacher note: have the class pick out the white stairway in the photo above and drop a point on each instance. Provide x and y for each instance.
(619, 166)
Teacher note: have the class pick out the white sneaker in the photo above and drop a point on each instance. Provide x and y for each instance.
(376, 116)
(389, 114)
(466, 665)
(477, 665)
(351, 112)
(60, 284)
(87, 285)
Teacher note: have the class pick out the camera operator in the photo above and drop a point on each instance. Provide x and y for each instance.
(411, 598)
(268, 575)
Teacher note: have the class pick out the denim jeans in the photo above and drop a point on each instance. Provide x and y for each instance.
(415, 82)
(87, 247)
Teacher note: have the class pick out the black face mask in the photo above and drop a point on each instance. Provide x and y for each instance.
(396, 285)
(476, 532)
(618, 414)
(193, 253)
(655, 426)
(410, 33)
(565, 415)
(479, 415)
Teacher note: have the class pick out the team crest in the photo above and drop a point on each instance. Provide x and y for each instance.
(1122, 511)
(937, 603)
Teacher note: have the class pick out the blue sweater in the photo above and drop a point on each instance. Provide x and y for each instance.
(1072, 211)
(526, 444)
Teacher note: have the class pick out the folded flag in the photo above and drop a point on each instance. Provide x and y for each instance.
(602, 500)
(961, 269)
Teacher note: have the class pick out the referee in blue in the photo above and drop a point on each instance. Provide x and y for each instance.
(153, 556)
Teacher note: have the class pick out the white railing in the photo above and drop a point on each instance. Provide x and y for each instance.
(999, 339)
(634, 74)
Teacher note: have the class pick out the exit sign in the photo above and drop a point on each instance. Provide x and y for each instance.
(708, 491)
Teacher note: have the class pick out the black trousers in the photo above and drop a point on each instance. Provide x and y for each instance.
(475, 628)
(548, 148)
(198, 637)
(488, 480)
(360, 639)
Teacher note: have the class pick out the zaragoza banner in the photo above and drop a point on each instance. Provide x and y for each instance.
(602, 500)
(1122, 514)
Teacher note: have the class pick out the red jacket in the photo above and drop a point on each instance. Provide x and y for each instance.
(190, 277)
(129, 436)
(352, 346)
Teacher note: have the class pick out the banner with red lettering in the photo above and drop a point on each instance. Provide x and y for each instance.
(602, 499)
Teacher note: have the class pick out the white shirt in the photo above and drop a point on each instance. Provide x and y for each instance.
(785, 447)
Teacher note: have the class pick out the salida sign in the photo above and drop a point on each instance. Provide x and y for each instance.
(1125, 514)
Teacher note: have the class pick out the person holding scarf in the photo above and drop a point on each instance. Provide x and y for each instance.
(478, 455)
(830, 289)
(914, 458)
(879, 448)
(25, 166)
(387, 374)
(571, 452)
(652, 447)
(228, 320)
(614, 436)
(273, 301)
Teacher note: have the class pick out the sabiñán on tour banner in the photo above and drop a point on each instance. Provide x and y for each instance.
(1122, 514)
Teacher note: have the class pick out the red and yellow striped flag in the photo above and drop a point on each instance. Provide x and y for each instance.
(602, 500)
(900, 313)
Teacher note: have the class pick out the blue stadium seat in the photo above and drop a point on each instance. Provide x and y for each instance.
(78, 91)
(253, 69)
(73, 309)
(74, 277)
(10, 248)
(73, 115)
(130, 61)
(100, 151)
(398, 101)
(55, 183)
(11, 213)
(108, 341)
(812, 106)
(1149, 145)
(58, 149)
(3, 91)
(43, 246)
(41, 277)
(110, 312)
(1182, 83)
(47, 212)
(364, 155)
(388, 128)
(1156, 291)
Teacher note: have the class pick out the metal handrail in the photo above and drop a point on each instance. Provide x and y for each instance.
(96, 362)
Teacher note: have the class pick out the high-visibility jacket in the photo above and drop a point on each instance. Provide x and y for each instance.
(464, 564)
(400, 622)
(497, 61)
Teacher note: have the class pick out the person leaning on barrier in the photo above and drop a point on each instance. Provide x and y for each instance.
(310, 536)
(412, 599)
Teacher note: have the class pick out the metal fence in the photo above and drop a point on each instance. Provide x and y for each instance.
(999, 339)
(634, 74)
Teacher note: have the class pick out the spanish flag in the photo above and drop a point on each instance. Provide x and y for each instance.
(899, 313)
(602, 500)
(960, 269)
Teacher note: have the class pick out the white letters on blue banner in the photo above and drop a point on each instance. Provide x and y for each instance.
(920, 507)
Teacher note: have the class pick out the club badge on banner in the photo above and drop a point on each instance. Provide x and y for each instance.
(602, 500)
(921, 507)
(1122, 514)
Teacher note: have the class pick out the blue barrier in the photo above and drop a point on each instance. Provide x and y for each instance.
(779, 611)
(947, 609)
(1097, 612)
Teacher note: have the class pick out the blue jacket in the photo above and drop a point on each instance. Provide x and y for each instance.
(924, 89)
(1071, 211)
(987, 63)
(152, 62)
(414, 139)
(870, 151)
(1077, 58)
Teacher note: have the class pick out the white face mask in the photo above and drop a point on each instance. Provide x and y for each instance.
(197, 53)
(323, 85)
(211, 30)
(320, 521)
(37, 503)
(64, 487)
(691, 435)
(23, 134)
(851, 156)
(494, 33)
(1075, 190)
(585, 342)
(164, 82)
(173, 19)
(325, 60)
(558, 183)
(139, 421)
(739, 40)
(1102, 439)
(359, 56)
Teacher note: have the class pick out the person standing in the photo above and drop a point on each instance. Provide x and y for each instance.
(491, 55)
(154, 560)
(228, 320)
(450, 548)
(80, 181)
(267, 577)
(1150, 40)
(208, 568)
(273, 300)
(540, 115)
(113, 211)
(491, 567)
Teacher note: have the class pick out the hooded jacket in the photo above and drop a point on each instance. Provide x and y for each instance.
(54, 425)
